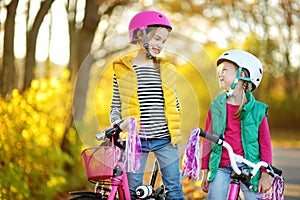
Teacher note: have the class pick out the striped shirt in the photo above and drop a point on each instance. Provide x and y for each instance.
(150, 94)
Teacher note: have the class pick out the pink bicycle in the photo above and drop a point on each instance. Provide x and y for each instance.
(243, 174)
(106, 168)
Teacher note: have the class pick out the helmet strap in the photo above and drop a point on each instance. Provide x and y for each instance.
(233, 85)
(146, 45)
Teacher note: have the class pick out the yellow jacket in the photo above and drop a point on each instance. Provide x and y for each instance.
(127, 83)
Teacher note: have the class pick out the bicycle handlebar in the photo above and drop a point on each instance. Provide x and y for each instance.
(211, 137)
(110, 131)
(234, 158)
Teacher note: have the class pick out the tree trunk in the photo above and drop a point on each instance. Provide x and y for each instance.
(80, 45)
(81, 69)
(31, 43)
(8, 69)
(81, 59)
(72, 34)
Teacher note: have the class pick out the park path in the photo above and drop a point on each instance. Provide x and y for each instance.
(288, 159)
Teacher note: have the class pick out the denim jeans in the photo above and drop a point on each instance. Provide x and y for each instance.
(218, 188)
(168, 159)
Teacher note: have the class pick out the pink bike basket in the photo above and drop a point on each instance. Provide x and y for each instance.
(99, 162)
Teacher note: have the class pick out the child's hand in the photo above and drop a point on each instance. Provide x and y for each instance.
(265, 183)
(204, 183)
(123, 124)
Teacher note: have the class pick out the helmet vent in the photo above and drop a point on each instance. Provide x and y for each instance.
(260, 71)
(160, 16)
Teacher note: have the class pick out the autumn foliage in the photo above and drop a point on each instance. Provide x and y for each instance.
(32, 125)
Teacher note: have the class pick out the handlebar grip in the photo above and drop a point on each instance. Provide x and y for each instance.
(100, 136)
(110, 131)
(276, 170)
(208, 136)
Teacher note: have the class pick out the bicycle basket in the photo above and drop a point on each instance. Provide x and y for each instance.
(99, 162)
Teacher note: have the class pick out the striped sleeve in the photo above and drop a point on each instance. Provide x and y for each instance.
(177, 103)
(115, 108)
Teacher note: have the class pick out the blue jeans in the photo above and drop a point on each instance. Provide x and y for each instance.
(168, 158)
(218, 188)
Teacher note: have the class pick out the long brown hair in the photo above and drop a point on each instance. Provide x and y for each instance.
(237, 115)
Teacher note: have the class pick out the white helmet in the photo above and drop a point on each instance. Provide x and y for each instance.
(247, 61)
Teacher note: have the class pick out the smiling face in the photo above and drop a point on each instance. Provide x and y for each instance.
(156, 42)
(226, 72)
(156, 37)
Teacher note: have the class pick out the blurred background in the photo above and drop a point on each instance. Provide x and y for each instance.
(56, 85)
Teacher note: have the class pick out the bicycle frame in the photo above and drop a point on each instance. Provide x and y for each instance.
(118, 182)
(235, 182)
(234, 191)
(239, 175)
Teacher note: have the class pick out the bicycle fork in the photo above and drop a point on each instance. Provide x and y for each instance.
(234, 189)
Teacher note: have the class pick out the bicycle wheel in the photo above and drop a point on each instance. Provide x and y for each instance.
(85, 198)
(89, 196)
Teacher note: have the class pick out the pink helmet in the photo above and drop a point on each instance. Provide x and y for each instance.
(147, 18)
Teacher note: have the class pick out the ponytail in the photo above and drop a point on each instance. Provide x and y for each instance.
(238, 113)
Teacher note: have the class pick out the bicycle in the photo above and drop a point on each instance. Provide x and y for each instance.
(244, 174)
(110, 179)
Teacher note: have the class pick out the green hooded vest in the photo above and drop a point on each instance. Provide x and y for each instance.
(251, 117)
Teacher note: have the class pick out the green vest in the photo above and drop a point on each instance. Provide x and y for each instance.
(251, 117)
(127, 85)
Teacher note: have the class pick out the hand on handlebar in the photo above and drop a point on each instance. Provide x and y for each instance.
(269, 187)
(116, 127)
(234, 158)
(123, 124)
(265, 183)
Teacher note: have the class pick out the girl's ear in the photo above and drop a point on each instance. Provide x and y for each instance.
(243, 74)
(139, 35)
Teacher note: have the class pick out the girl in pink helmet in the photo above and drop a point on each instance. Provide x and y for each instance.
(144, 87)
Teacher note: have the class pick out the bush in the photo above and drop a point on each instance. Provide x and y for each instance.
(32, 126)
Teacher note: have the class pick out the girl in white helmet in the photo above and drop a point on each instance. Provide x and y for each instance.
(144, 87)
(242, 121)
